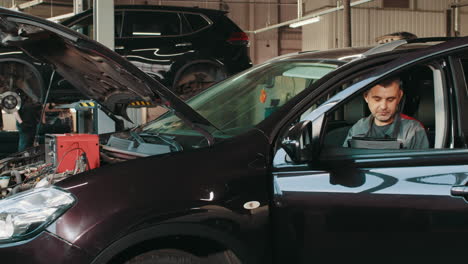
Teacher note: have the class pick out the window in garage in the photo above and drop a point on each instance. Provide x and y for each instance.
(396, 4)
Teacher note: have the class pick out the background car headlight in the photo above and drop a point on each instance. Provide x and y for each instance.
(23, 216)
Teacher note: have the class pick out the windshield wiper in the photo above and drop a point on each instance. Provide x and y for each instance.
(139, 140)
(166, 139)
(199, 126)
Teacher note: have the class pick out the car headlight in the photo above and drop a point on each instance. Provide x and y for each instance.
(28, 213)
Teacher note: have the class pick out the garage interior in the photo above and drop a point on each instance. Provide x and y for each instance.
(261, 168)
(267, 21)
(270, 25)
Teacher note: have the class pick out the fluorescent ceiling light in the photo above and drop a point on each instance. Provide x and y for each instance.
(61, 17)
(305, 22)
(146, 33)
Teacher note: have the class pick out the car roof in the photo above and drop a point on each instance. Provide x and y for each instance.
(332, 54)
(207, 12)
(348, 54)
(167, 8)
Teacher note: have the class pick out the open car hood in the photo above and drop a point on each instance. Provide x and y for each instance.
(98, 72)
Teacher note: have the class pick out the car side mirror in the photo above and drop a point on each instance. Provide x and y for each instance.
(297, 142)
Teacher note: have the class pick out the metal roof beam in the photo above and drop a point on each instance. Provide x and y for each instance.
(321, 13)
(44, 2)
(459, 4)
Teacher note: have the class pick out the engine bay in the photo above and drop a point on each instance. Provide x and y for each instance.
(62, 156)
(26, 170)
(65, 155)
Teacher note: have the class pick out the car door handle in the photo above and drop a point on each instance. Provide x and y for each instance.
(459, 190)
(119, 47)
(185, 44)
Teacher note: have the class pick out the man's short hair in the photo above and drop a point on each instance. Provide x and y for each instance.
(389, 81)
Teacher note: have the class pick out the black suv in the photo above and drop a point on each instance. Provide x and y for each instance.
(252, 170)
(186, 49)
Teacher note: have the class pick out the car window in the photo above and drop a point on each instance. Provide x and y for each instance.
(85, 25)
(422, 106)
(425, 102)
(459, 66)
(250, 98)
(242, 101)
(464, 63)
(197, 22)
(154, 24)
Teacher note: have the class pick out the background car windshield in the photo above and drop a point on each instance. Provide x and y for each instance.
(241, 102)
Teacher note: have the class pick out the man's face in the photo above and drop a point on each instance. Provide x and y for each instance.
(383, 102)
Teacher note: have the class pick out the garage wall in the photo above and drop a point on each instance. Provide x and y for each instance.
(464, 21)
(264, 45)
(368, 24)
(320, 35)
(257, 15)
(425, 18)
(434, 5)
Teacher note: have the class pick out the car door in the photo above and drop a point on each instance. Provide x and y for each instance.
(390, 206)
(154, 40)
(459, 65)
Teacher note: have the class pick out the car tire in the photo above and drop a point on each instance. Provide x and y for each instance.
(176, 256)
(196, 78)
(165, 256)
(21, 77)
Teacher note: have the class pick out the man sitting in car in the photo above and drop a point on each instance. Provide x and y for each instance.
(386, 127)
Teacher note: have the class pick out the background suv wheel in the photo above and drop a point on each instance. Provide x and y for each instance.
(22, 79)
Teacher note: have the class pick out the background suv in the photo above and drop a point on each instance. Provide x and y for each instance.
(186, 49)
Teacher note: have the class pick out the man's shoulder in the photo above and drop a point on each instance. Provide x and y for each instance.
(361, 126)
(411, 122)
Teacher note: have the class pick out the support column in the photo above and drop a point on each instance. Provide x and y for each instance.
(104, 22)
(252, 36)
(78, 6)
(347, 23)
(448, 23)
(103, 18)
(456, 18)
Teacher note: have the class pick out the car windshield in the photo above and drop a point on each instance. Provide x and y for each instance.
(241, 102)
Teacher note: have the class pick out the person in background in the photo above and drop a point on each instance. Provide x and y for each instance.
(1, 120)
(27, 120)
(395, 36)
(56, 120)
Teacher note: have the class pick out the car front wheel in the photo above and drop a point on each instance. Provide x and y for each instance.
(165, 256)
(176, 256)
